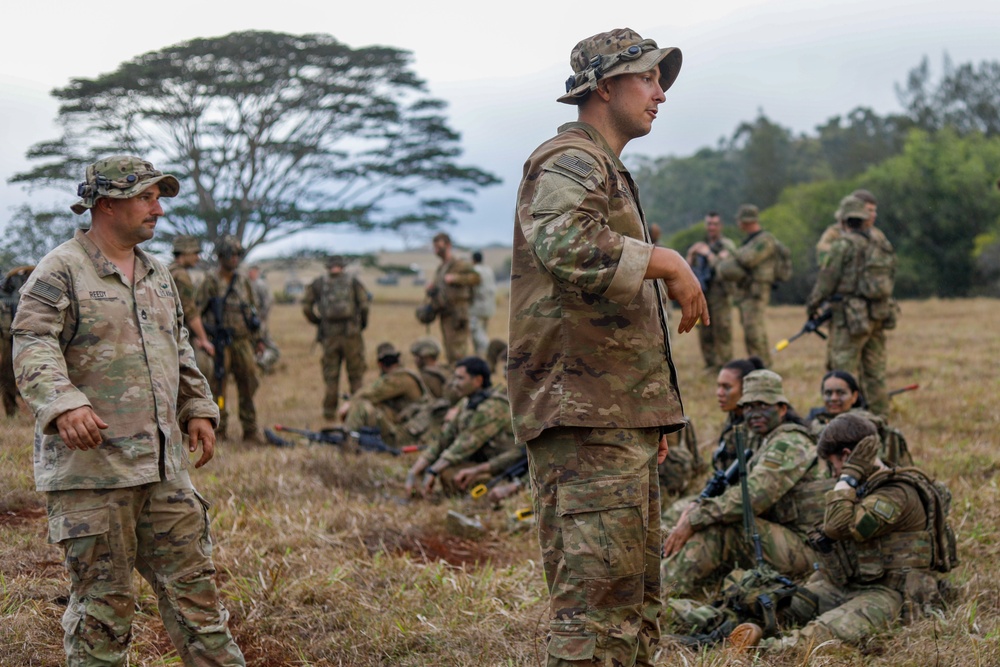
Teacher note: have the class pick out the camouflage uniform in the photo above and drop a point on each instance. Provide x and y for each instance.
(386, 403)
(893, 448)
(240, 354)
(188, 294)
(9, 295)
(683, 463)
(484, 306)
(592, 382)
(750, 272)
(717, 340)
(785, 483)
(83, 337)
(481, 432)
(452, 304)
(834, 232)
(857, 330)
(338, 305)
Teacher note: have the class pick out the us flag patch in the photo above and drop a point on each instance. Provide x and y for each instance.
(47, 292)
(574, 164)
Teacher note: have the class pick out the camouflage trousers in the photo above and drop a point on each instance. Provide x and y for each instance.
(716, 341)
(365, 413)
(720, 545)
(241, 364)
(480, 339)
(863, 357)
(753, 307)
(596, 503)
(8, 385)
(348, 351)
(161, 530)
(455, 333)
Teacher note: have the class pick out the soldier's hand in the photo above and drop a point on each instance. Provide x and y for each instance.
(678, 536)
(662, 450)
(80, 428)
(861, 463)
(682, 286)
(411, 477)
(200, 430)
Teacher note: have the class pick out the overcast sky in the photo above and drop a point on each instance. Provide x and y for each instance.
(501, 65)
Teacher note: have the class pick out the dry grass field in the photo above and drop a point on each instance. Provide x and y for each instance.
(323, 561)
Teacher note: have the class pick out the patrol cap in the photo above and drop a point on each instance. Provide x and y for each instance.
(336, 260)
(763, 386)
(852, 207)
(184, 244)
(121, 177)
(747, 212)
(425, 347)
(386, 351)
(620, 51)
(227, 246)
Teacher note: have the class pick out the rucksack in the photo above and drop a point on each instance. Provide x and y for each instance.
(876, 279)
(336, 299)
(782, 263)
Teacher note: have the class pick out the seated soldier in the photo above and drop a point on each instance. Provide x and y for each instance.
(884, 534)
(683, 463)
(785, 487)
(478, 443)
(435, 375)
(385, 402)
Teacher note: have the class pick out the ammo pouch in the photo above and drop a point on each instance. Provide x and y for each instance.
(856, 315)
(803, 507)
(884, 311)
(894, 552)
(418, 417)
(837, 559)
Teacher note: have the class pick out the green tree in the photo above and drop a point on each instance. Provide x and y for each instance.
(271, 134)
(860, 140)
(965, 98)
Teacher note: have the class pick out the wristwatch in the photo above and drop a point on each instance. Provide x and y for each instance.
(851, 480)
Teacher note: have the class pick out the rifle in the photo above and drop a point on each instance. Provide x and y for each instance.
(723, 479)
(369, 438)
(516, 469)
(221, 339)
(901, 390)
(812, 325)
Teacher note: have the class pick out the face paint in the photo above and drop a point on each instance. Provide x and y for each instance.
(762, 417)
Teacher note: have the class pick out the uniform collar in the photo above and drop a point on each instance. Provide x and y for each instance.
(597, 138)
(104, 266)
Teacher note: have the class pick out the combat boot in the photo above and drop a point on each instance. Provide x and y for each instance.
(745, 637)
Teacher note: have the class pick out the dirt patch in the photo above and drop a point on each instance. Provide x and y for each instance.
(21, 516)
(429, 547)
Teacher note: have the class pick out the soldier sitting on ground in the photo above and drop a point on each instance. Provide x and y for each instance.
(435, 375)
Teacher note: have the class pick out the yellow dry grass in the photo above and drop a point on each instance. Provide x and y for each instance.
(323, 562)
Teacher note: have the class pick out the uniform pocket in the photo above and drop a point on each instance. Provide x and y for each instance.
(83, 535)
(569, 641)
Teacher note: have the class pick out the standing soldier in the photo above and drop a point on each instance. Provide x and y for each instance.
(103, 361)
(229, 312)
(750, 271)
(337, 303)
(857, 278)
(484, 305)
(717, 340)
(593, 390)
(9, 295)
(835, 231)
(186, 252)
(451, 294)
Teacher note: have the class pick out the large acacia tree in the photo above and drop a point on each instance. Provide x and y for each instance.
(271, 134)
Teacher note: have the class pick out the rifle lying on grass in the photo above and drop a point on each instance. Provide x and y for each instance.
(812, 325)
(369, 438)
(517, 469)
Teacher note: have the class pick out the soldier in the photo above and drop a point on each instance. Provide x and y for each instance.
(655, 233)
(749, 270)
(451, 294)
(9, 295)
(682, 465)
(186, 256)
(484, 305)
(387, 401)
(267, 358)
(856, 279)
(229, 312)
(103, 361)
(786, 486)
(884, 534)
(478, 443)
(593, 390)
(717, 340)
(436, 376)
(338, 305)
(835, 231)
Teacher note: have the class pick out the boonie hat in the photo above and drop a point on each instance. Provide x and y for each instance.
(763, 386)
(748, 212)
(385, 351)
(185, 244)
(425, 347)
(620, 51)
(121, 177)
(851, 207)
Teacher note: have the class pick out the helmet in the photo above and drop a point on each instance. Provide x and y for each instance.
(184, 244)
(425, 347)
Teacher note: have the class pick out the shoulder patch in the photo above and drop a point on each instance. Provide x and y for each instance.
(575, 164)
(885, 510)
(46, 292)
(867, 526)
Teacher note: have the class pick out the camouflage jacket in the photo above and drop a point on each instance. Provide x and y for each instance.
(589, 344)
(756, 256)
(480, 432)
(84, 337)
(834, 232)
(437, 378)
(237, 309)
(186, 291)
(718, 288)
(457, 296)
(785, 465)
(839, 272)
(395, 390)
(327, 287)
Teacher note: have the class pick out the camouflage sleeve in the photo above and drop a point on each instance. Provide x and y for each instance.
(830, 272)
(194, 397)
(465, 274)
(187, 293)
(386, 388)
(760, 249)
(779, 465)
(39, 365)
(568, 232)
(830, 234)
(309, 300)
(485, 423)
(362, 298)
(445, 437)
(850, 518)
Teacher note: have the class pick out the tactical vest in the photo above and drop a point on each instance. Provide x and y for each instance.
(803, 506)
(402, 406)
(436, 380)
(336, 298)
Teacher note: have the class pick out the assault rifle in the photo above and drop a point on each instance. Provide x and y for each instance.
(517, 469)
(812, 325)
(722, 479)
(369, 438)
(221, 339)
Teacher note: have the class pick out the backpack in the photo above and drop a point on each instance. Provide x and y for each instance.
(782, 262)
(876, 279)
(336, 299)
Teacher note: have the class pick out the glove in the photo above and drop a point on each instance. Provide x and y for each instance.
(861, 463)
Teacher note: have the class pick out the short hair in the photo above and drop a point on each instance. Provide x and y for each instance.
(441, 236)
(712, 214)
(865, 196)
(476, 367)
(477, 257)
(852, 384)
(744, 366)
(844, 431)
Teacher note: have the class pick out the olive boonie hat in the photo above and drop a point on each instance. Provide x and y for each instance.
(747, 212)
(385, 351)
(184, 244)
(121, 177)
(621, 51)
(851, 207)
(425, 347)
(763, 386)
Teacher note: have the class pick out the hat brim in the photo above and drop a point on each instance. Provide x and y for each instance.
(169, 187)
(770, 399)
(669, 61)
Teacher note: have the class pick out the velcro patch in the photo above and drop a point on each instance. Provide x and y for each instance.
(885, 510)
(46, 292)
(577, 165)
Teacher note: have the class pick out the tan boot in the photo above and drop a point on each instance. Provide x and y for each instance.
(745, 637)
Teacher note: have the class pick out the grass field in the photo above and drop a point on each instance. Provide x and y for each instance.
(323, 561)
